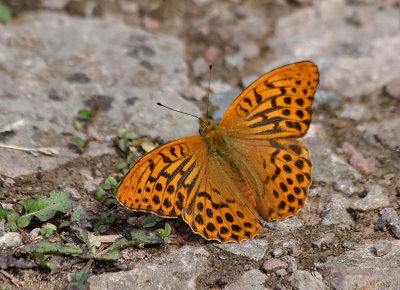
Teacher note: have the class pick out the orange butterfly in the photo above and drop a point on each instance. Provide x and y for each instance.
(250, 165)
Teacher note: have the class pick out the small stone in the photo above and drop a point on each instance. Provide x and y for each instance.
(33, 234)
(347, 245)
(356, 112)
(272, 265)
(295, 251)
(327, 100)
(248, 80)
(306, 280)
(335, 211)
(91, 185)
(393, 88)
(10, 240)
(253, 279)
(2, 230)
(249, 49)
(382, 247)
(211, 53)
(323, 242)
(392, 220)
(252, 249)
(281, 273)
(9, 182)
(292, 265)
(74, 192)
(199, 67)
(234, 61)
(195, 93)
(346, 186)
(277, 252)
(374, 199)
(365, 164)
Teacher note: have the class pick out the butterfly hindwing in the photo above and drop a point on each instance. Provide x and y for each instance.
(277, 105)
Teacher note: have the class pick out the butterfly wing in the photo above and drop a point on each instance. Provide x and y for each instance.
(282, 171)
(182, 178)
(277, 105)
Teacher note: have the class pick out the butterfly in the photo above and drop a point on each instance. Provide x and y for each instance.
(247, 167)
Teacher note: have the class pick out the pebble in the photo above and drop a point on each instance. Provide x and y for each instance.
(249, 49)
(33, 234)
(346, 186)
(356, 112)
(248, 80)
(2, 230)
(199, 67)
(335, 211)
(272, 265)
(277, 252)
(382, 247)
(234, 61)
(327, 100)
(325, 240)
(393, 88)
(392, 220)
(10, 240)
(347, 245)
(374, 199)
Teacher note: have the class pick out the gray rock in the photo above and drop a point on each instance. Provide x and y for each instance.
(248, 80)
(67, 64)
(199, 67)
(362, 269)
(382, 248)
(234, 61)
(392, 220)
(10, 240)
(253, 249)
(355, 58)
(346, 186)
(285, 226)
(335, 211)
(272, 265)
(393, 88)
(253, 279)
(2, 229)
(249, 49)
(374, 199)
(324, 157)
(355, 112)
(177, 270)
(347, 245)
(222, 101)
(277, 252)
(386, 132)
(327, 100)
(307, 280)
(324, 241)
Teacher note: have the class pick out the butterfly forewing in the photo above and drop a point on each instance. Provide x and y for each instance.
(277, 105)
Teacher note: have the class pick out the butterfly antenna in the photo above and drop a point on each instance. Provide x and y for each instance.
(209, 86)
(161, 105)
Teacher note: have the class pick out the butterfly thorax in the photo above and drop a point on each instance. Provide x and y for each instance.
(216, 139)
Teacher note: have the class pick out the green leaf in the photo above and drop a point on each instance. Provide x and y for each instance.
(4, 213)
(24, 221)
(130, 136)
(93, 243)
(164, 233)
(151, 221)
(58, 248)
(44, 208)
(48, 230)
(12, 219)
(84, 114)
(121, 132)
(77, 125)
(5, 13)
(79, 279)
(121, 165)
(110, 183)
(123, 145)
(110, 256)
(80, 223)
(81, 144)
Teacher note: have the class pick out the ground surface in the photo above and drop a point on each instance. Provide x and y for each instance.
(122, 57)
